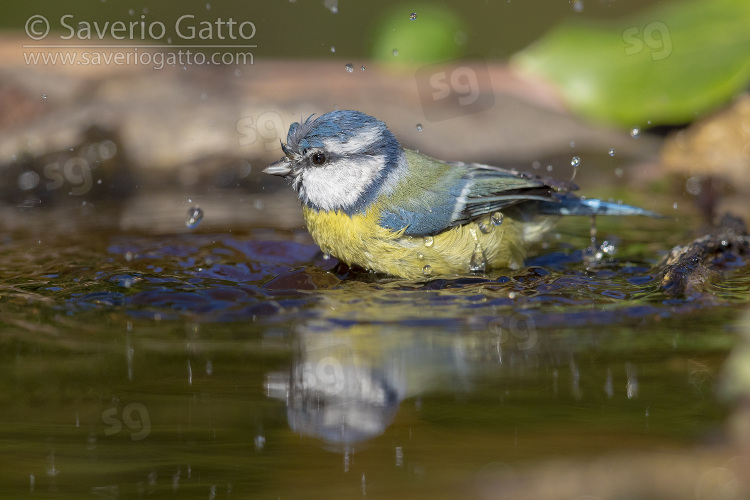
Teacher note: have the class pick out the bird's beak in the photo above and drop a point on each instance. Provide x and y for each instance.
(282, 168)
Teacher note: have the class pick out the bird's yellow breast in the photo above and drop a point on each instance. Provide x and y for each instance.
(360, 240)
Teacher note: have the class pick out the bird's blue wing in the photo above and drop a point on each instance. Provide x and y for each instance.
(438, 195)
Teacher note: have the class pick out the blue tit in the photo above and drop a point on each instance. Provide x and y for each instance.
(371, 203)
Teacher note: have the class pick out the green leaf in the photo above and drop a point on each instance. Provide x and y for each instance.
(665, 66)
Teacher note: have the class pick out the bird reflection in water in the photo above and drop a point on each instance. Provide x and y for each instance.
(346, 384)
(337, 394)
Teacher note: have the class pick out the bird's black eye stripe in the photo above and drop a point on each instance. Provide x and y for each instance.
(318, 158)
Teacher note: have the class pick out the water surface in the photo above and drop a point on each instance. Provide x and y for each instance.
(242, 363)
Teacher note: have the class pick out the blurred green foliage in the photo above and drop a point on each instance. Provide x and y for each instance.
(430, 34)
(666, 65)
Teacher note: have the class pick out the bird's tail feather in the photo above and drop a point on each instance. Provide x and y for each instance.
(572, 205)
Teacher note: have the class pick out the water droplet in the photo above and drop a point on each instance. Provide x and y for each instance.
(572, 144)
(497, 218)
(420, 256)
(333, 49)
(592, 255)
(693, 186)
(631, 387)
(260, 442)
(326, 255)
(608, 248)
(485, 225)
(674, 206)
(611, 151)
(131, 12)
(395, 52)
(413, 16)
(429, 241)
(478, 262)
(44, 96)
(577, 5)
(350, 68)
(427, 270)
(550, 168)
(419, 127)
(575, 161)
(618, 172)
(362, 68)
(194, 217)
(635, 132)
(208, 6)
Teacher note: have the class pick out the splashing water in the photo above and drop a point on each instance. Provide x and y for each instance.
(332, 5)
(595, 254)
(590, 253)
(486, 225)
(497, 218)
(478, 262)
(194, 217)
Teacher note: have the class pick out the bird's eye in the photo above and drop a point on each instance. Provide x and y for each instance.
(318, 158)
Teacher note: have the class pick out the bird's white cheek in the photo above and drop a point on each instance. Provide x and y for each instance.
(342, 183)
